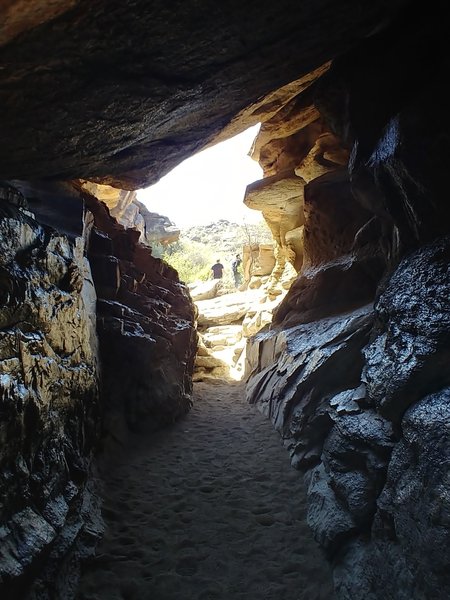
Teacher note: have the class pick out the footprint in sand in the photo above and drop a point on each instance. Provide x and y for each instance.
(204, 515)
(266, 520)
(187, 566)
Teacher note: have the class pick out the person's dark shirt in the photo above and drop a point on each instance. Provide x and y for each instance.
(217, 270)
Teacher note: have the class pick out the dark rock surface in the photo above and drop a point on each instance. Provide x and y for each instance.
(376, 454)
(410, 353)
(49, 405)
(377, 475)
(147, 338)
(134, 88)
(407, 554)
(342, 258)
(84, 358)
(298, 370)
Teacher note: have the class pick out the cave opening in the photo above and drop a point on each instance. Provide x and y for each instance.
(98, 339)
(206, 222)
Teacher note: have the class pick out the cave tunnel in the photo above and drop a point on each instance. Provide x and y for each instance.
(98, 339)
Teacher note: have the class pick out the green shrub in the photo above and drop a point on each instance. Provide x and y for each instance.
(192, 260)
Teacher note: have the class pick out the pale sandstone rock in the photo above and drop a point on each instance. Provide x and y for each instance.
(208, 362)
(261, 314)
(267, 107)
(280, 199)
(285, 154)
(116, 200)
(292, 117)
(205, 290)
(279, 196)
(258, 260)
(326, 155)
(224, 335)
(156, 228)
(202, 350)
(132, 214)
(255, 283)
(211, 375)
(227, 309)
(254, 323)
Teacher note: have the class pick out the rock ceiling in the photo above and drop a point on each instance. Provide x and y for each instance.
(120, 92)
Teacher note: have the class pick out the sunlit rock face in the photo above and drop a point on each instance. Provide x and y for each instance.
(294, 148)
(342, 257)
(258, 261)
(132, 214)
(49, 404)
(157, 229)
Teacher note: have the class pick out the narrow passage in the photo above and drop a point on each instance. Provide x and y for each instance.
(209, 509)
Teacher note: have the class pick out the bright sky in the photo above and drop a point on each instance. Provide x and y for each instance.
(208, 186)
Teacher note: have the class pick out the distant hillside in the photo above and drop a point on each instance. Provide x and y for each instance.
(225, 238)
(199, 247)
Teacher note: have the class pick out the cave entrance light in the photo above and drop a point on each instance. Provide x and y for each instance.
(202, 198)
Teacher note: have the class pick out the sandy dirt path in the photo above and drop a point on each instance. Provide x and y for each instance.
(209, 509)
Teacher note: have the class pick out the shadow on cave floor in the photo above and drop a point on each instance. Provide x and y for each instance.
(208, 510)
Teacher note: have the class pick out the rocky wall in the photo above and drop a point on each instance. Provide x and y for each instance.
(354, 372)
(146, 330)
(135, 88)
(49, 405)
(132, 214)
(97, 340)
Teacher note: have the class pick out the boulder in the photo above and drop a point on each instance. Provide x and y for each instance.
(417, 293)
(205, 290)
(222, 335)
(227, 309)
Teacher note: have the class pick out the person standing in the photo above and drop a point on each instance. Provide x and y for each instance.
(217, 270)
(234, 267)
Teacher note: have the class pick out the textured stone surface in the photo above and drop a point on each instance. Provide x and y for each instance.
(61, 327)
(410, 353)
(341, 267)
(410, 533)
(291, 117)
(291, 156)
(377, 475)
(258, 262)
(297, 370)
(157, 228)
(226, 309)
(397, 166)
(146, 331)
(48, 401)
(126, 90)
(132, 214)
(206, 290)
(326, 155)
(415, 502)
(132, 90)
(17, 16)
(280, 199)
